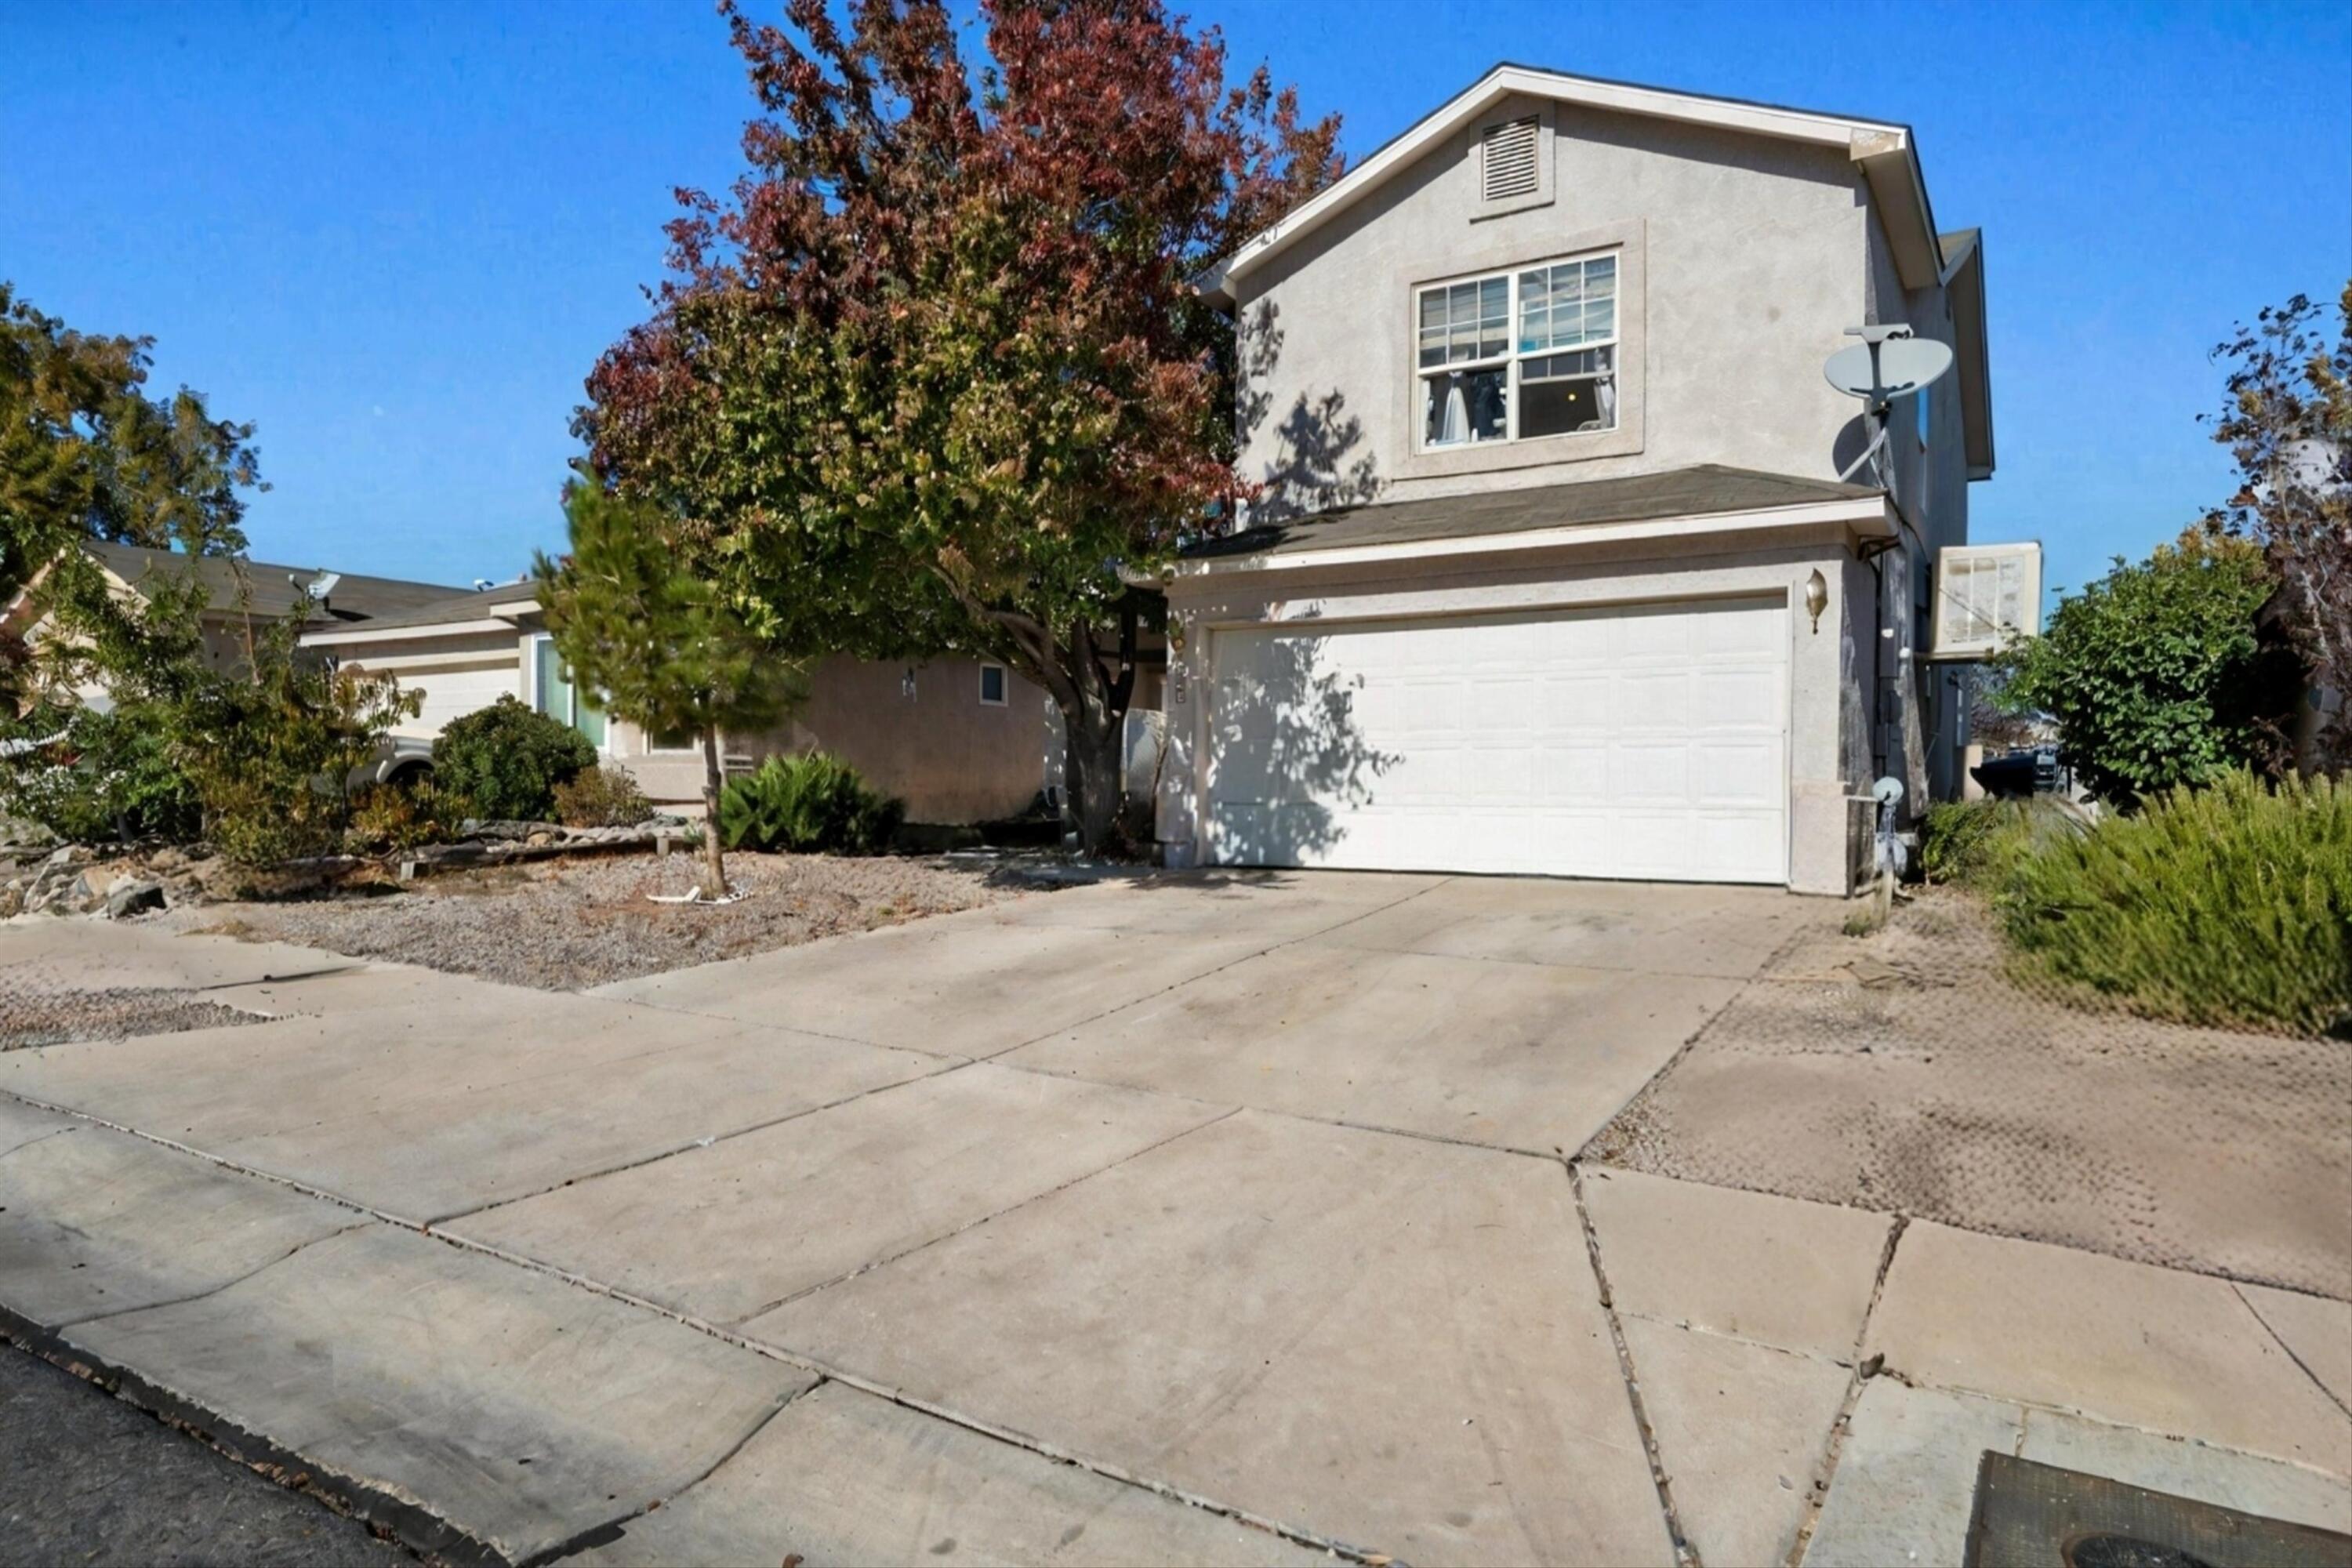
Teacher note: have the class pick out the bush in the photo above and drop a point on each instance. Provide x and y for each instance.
(504, 762)
(110, 775)
(601, 796)
(1979, 842)
(2228, 905)
(392, 817)
(2154, 675)
(810, 803)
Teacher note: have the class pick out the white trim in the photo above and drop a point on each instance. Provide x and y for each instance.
(406, 634)
(1004, 685)
(1504, 82)
(1866, 516)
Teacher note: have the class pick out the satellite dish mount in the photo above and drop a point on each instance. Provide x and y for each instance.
(1888, 363)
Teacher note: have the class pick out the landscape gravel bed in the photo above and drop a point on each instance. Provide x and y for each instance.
(1915, 1071)
(569, 924)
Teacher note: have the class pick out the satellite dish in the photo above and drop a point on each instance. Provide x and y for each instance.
(1888, 363)
(1886, 790)
(1880, 372)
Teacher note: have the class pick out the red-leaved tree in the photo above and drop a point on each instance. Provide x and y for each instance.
(936, 376)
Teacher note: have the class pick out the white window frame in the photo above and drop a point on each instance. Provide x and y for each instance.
(611, 748)
(1513, 357)
(691, 749)
(1005, 686)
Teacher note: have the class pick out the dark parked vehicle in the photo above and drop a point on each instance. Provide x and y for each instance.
(2016, 775)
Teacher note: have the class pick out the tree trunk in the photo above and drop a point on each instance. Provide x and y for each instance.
(1091, 744)
(714, 864)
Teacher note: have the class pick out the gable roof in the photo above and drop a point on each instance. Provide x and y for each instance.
(1885, 150)
(1708, 489)
(273, 587)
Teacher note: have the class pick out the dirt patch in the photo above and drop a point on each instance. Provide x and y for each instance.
(61, 1015)
(565, 925)
(1906, 1071)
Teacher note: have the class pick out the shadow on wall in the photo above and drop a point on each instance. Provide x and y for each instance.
(1312, 469)
(1286, 749)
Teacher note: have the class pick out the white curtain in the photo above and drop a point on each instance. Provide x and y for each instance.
(1604, 394)
(1457, 416)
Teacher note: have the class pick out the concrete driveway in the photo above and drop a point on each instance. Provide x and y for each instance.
(1183, 1219)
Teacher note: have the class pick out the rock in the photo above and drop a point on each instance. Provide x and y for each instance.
(128, 898)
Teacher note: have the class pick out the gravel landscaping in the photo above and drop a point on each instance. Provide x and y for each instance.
(1906, 1071)
(32, 1014)
(565, 925)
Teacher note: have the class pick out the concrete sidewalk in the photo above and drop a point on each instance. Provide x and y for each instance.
(1208, 1219)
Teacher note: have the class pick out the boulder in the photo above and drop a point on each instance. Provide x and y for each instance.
(128, 898)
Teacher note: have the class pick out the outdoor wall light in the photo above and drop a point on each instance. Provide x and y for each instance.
(1175, 636)
(1817, 597)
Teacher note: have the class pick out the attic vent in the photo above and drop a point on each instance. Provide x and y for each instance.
(1986, 596)
(1509, 166)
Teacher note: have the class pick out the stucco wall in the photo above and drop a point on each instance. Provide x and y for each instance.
(951, 757)
(1825, 707)
(1745, 260)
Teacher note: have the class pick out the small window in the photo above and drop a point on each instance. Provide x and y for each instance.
(553, 694)
(682, 740)
(1509, 165)
(992, 685)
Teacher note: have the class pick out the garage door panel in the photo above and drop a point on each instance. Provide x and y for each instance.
(1643, 743)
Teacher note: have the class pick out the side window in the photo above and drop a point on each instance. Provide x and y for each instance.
(553, 694)
(992, 685)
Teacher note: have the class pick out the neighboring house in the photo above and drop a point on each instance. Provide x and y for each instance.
(1552, 491)
(241, 593)
(960, 741)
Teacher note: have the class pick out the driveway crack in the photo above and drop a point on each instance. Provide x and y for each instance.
(613, 1528)
(1685, 1554)
(2235, 1290)
(1864, 1370)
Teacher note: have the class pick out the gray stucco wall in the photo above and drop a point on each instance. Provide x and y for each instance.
(1750, 257)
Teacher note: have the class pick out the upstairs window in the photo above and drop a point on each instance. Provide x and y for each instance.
(992, 685)
(1519, 355)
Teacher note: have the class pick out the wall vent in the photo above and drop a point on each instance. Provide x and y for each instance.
(1509, 167)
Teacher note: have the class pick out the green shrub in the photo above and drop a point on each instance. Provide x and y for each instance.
(110, 775)
(2227, 905)
(1978, 842)
(504, 762)
(812, 802)
(391, 817)
(603, 796)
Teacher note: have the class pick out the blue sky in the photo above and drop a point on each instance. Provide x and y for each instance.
(397, 242)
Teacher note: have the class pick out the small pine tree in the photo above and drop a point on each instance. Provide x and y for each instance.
(660, 644)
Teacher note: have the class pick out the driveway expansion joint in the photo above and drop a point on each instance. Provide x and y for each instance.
(1685, 1554)
(1825, 1471)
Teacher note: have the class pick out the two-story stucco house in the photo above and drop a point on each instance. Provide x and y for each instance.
(1553, 569)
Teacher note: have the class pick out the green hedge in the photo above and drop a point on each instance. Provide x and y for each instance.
(810, 802)
(504, 762)
(2218, 906)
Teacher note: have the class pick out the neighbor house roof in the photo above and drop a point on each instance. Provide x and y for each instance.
(454, 613)
(273, 589)
(1885, 150)
(1709, 490)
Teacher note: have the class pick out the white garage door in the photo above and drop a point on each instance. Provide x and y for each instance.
(1642, 741)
